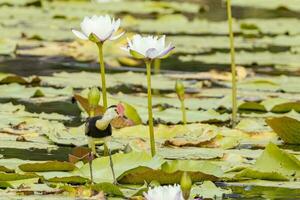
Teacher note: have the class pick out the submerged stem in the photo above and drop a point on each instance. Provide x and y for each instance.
(102, 70)
(184, 120)
(233, 67)
(150, 114)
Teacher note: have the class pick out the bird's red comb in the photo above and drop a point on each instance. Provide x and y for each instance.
(121, 109)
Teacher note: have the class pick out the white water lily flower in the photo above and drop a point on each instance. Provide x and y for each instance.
(169, 192)
(149, 47)
(102, 27)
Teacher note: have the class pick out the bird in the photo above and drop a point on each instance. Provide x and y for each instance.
(98, 129)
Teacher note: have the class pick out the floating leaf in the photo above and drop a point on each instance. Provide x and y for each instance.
(16, 176)
(269, 4)
(5, 169)
(256, 174)
(190, 153)
(208, 190)
(69, 180)
(8, 47)
(108, 188)
(171, 172)
(47, 166)
(273, 164)
(286, 107)
(122, 163)
(287, 128)
(11, 78)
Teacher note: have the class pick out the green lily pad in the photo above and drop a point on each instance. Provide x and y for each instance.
(11, 78)
(8, 47)
(190, 153)
(287, 107)
(278, 160)
(256, 174)
(287, 128)
(29, 182)
(108, 188)
(267, 189)
(19, 2)
(208, 190)
(87, 79)
(5, 169)
(246, 58)
(19, 91)
(269, 4)
(122, 163)
(171, 172)
(16, 176)
(69, 180)
(47, 166)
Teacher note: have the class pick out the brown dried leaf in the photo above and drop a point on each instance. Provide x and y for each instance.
(85, 105)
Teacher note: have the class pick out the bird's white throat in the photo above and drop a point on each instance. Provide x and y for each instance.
(108, 116)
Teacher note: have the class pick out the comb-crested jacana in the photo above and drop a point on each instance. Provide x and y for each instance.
(99, 129)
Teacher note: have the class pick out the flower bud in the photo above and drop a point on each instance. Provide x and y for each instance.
(179, 88)
(186, 185)
(94, 97)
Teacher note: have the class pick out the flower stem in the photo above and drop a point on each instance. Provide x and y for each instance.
(102, 70)
(150, 114)
(233, 67)
(183, 112)
(157, 66)
(92, 112)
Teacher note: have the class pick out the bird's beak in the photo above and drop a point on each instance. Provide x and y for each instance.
(120, 110)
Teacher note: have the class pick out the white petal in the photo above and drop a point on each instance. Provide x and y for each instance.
(117, 36)
(104, 38)
(80, 34)
(86, 26)
(161, 43)
(164, 193)
(117, 24)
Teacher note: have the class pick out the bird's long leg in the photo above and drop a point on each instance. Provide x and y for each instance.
(105, 150)
(111, 165)
(92, 146)
(113, 171)
(91, 166)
